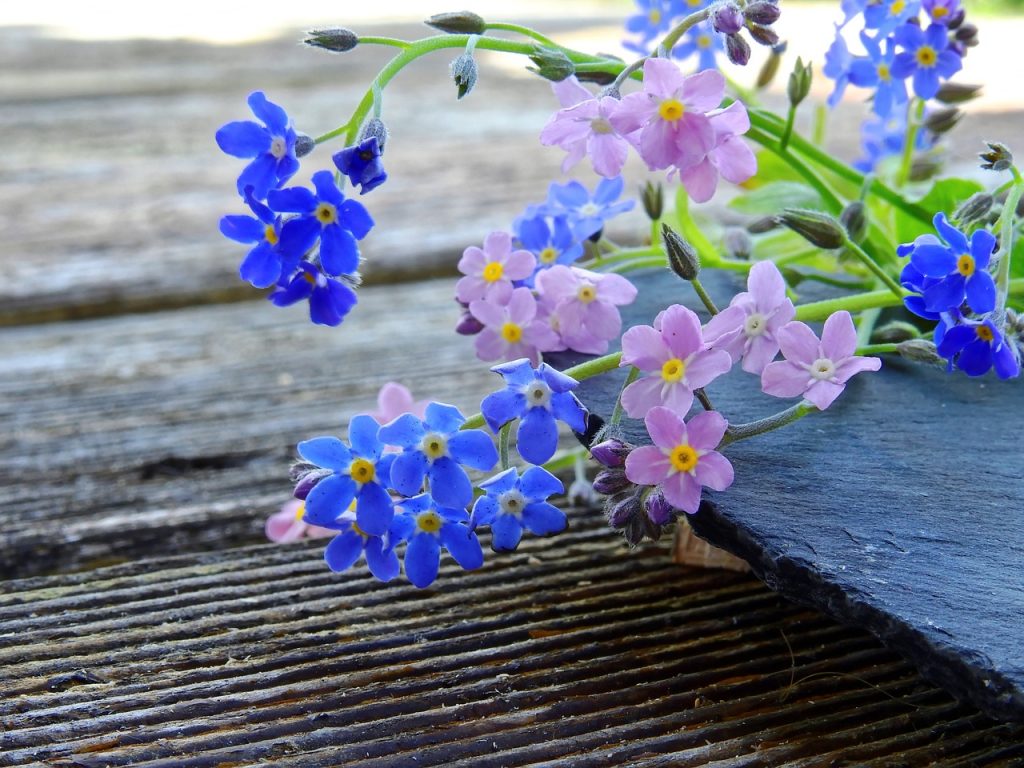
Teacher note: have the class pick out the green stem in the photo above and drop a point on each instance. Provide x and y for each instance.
(524, 31)
(871, 264)
(392, 41)
(787, 132)
(1006, 229)
(668, 43)
(617, 411)
(704, 297)
(503, 440)
(820, 121)
(828, 197)
(876, 349)
(866, 326)
(915, 111)
(820, 310)
(782, 418)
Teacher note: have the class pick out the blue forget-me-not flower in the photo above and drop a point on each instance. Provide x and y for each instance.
(271, 145)
(511, 503)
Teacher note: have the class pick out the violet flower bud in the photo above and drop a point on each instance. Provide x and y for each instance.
(458, 23)
(659, 511)
(762, 12)
(682, 258)
(737, 49)
(610, 481)
(468, 325)
(727, 18)
(611, 452)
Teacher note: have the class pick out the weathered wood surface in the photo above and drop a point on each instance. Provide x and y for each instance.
(573, 651)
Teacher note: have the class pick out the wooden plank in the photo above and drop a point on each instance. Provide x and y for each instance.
(572, 651)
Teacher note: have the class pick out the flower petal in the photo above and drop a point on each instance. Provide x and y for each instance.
(374, 509)
(329, 498)
(422, 558)
(714, 471)
(327, 452)
(543, 519)
(343, 550)
(537, 436)
(449, 483)
(463, 545)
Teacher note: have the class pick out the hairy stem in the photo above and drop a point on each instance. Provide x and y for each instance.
(739, 432)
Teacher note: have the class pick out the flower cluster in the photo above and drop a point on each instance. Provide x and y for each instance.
(304, 242)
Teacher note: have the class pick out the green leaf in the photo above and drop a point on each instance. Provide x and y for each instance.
(776, 195)
(943, 197)
(770, 167)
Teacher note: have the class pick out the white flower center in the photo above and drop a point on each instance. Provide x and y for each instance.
(512, 502)
(278, 147)
(434, 445)
(590, 209)
(823, 369)
(755, 325)
(538, 394)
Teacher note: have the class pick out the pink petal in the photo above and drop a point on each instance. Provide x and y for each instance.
(470, 288)
(642, 395)
(703, 91)
(473, 261)
(681, 332)
(782, 315)
(557, 283)
(714, 471)
(569, 91)
(540, 334)
(522, 306)
(694, 139)
(798, 342)
(283, 527)
(784, 379)
(608, 153)
(643, 347)
(570, 316)
(705, 367)
(663, 78)
(647, 465)
(666, 428)
(706, 430)
(576, 153)
(731, 120)
(602, 319)
(490, 313)
(520, 265)
(823, 393)
(520, 350)
(767, 286)
(632, 112)
(683, 492)
(839, 336)
(677, 397)
(700, 181)
(725, 331)
(735, 160)
(616, 289)
(584, 341)
(851, 366)
(489, 345)
(658, 144)
(563, 131)
(761, 351)
(497, 245)
(392, 401)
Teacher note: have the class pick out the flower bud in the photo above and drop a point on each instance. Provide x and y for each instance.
(303, 145)
(738, 244)
(682, 258)
(799, 81)
(468, 325)
(552, 64)
(737, 49)
(652, 197)
(942, 120)
(762, 12)
(600, 78)
(763, 35)
(966, 34)
(307, 479)
(894, 333)
(762, 225)
(336, 40)
(727, 18)
(957, 93)
(621, 509)
(975, 208)
(458, 23)
(611, 452)
(920, 351)
(658, 510)
(998, 158)
(463, 71)
(770, 68)
(854, 220)
(611, 481)
(375, 129)
(815, 227)
(923, 168)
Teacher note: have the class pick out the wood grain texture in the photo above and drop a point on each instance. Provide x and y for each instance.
(573, 651)
(897, 509)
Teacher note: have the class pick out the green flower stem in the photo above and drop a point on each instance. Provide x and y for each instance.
(816, 311)
(668, 43)
(1006, 230)
(503, 439)
(866, 326)
(392, 41)
(876, 349)
(871, 264)
(787, 132)
(770, 124)
(533, 34)
(818, 130)
(915, 111)
(418, 48)
(739, 432)
(704, 297)
(831, 200)
(616, 417)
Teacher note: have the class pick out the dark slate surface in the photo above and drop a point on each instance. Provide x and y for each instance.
(899, 509)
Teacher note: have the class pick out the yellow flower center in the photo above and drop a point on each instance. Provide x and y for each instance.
(493, 272)
(965, 265)
(984, 333)
(883, 72)
(511, 333)
(428, 522)
(897, 7)
(703, 41)
(356, 529)
(309, 278)
(362, 471)
(270, 235)
(300, 511)
(434, 446)
(939, 12)
(601, 125)
(654, 16)
(673, 369)
(671, 110)
(326, 214)
(587, 293)
(548, 255)
(926, 56)
(694, 3)
(683, 458)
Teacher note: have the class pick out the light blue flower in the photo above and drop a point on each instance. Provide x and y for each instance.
(270, 143)
(352, 541)
(927, 56)
(875, 71)
(588, 213)
(428, 527)
(512, 503)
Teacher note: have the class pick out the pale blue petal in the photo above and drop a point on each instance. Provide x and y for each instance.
(543, 519)
(474, 448)
(463, 545)
(327, 452)
(537, 484)
(329, 498)
(406, 431)
(449, 483)
(374, 509)
(408, 471)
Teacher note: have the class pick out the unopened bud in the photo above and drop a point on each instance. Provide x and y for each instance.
(920, 351)
(942, 120)
(303, 145)
(957, 93)
(658, 510)
(621, 509)
(727, 18)
(854, 220)
(738, 244)
(975, 208)
(815, 227)
(737, 49)
(682, 258)
(458, 23)
(653, 199)
(375, 129)
(552, 64)
(468, 325)
(762, 225)
(770, 68)
(954, 21)
(763, 35)
(611, 452)
(923, 168)
(611, 481)
(894, 333)
(463, 71)
(600, 78)
(762, 12)
(336, 40)
(799, 81)
(998, 158)
(967, 34)
(306, 478)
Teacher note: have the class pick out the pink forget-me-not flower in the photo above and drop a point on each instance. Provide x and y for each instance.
(490, 271)
(586, 305)
(513, 329)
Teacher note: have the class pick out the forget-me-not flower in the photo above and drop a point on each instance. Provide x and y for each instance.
(428, 526)
(511, 503)
(271, 145)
